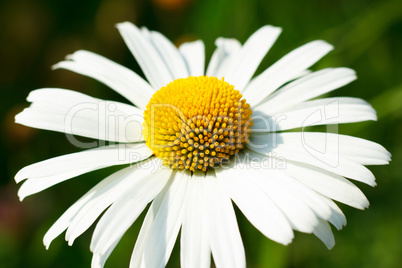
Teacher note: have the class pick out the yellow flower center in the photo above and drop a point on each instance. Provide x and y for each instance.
(196, 123)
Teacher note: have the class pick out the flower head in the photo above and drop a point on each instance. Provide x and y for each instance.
(197, 141)
(195, 123)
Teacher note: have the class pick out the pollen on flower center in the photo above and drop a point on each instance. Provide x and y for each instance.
(196, 123)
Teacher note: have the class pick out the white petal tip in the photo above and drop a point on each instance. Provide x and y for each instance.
(46, 242)
(19, 118)
(124, 24)
(284, 239)
(330, 246)
(70, 238)
(271, 27)
(23, 192)
(385, 161)
(325, 44)
(346, 70)
(362, 205)
(56, 66)
(48, 238)
(287, 242)
(19, 177)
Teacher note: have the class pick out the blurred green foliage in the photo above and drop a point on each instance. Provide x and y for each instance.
(34, 34)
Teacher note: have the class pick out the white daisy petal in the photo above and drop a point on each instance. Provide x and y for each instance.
(137, 258)
(305, 196)
(362, 151)
(285, 69)
(194, 57)
(337, 219)
(300, 216)
(313, 200)
(170, 55)
(104, 190)
(124, 81)
(324, 233)
(226, 49)
(166, 224)
(316, 112)
(255, 204)
(125, 210)
(358, 150)
(322, 145)
(45, 174)
(327, 183)
(307, 87)
(101, 200)
(99, 260)
(146, 55)
(225, 240)
(293, 146)
(194, 243)
(78, 114)
(137, 255)
(250, 55)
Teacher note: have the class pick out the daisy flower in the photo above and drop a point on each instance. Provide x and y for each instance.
(193, 141)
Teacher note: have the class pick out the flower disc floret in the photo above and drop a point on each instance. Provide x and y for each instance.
(196, 123)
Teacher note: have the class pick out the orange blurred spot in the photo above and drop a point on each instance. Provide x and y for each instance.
(12, 215)
(171, 4)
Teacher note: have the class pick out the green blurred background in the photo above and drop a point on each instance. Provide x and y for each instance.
(37, 34)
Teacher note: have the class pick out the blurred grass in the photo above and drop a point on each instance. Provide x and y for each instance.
(367, 36)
